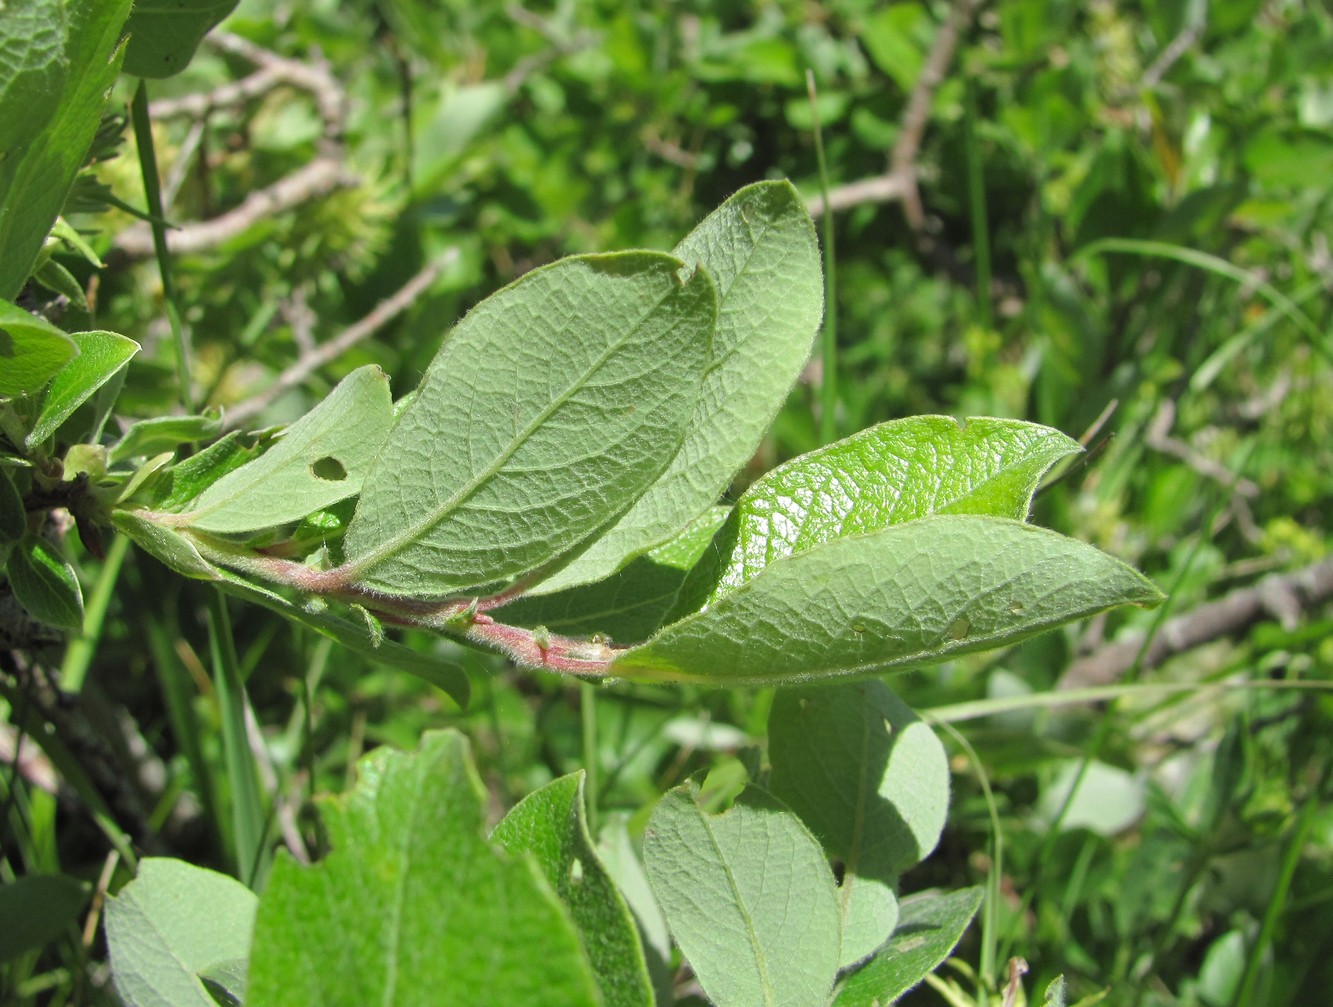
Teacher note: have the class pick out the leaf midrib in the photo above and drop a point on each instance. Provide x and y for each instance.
(352, 569)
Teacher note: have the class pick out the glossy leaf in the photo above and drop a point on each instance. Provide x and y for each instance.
(909, 595)
(413, 906)
(45, 584)
(188, 478)
(749, 898)
(760, 248)
(549, 824)
(57, 64)
(171, 924)
(32, 350)
(101, 355)
(929, 927)
(872, 782)
(549, 409)
(35, 909)
(887, 475)
(165, 33)
(321, 459)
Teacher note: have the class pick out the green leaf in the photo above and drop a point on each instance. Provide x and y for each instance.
(548, 410)
(101, 355)
(31, 348)
(164, 433)
(929, 927)
(887, 475)
(57, 63)
(180, 554)
(170, 925)
(187, 479)
(749, 898)
(871, 780)
(165, 33)
(633, 602)
(36, 909)
(909, 595)
(549, 824)
(321, 459)
(45, 584)
(413, 906)
(760, 248)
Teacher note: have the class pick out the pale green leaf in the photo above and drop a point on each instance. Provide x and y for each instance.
(35, 909)
(909, 595)
(413, 906)
(871, 780)
(749, 898)
(188, 478)
(164, 433)
(549, 824)
(45, 584)
(929, 927)
(760, 248)
(887, 475)
(31, 349)
(548, 410)
(73, 60)
(625, 866)
(321, 459)
(165, 33)
(101, 355)
(172, 924)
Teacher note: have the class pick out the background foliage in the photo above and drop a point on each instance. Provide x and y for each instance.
(1118, 228)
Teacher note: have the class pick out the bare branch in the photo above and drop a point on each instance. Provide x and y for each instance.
(1282, 597)
(317, 179)
(383, 313)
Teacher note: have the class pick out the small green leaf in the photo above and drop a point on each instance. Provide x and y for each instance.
(929, 927)
(760, 248)
(749, 898)
(909, 595)
(36, 909)
(31, 351)
(164, 433)
(321, 459)
(887, 475)
(872, 782)
(548, 410)
(165, 33)
(549, 824)
(172, 924)
(57, 64)
(56, 278)
(633, 602)
(101, 355)
(45, 584)
(187, 479)
(414, 906)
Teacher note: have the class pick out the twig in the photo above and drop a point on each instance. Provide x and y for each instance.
(326, 353)
(1158, 437)
(1283, 597)
(1177, 47)
(899, 182)
(318, 178)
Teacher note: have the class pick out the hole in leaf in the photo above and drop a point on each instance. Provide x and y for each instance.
(576, 871)
(1015, 606)
(329, 469)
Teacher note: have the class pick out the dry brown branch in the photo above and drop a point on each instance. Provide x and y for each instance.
(899, 182)
(325, 353)
(1282, 597)
(317, 179)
